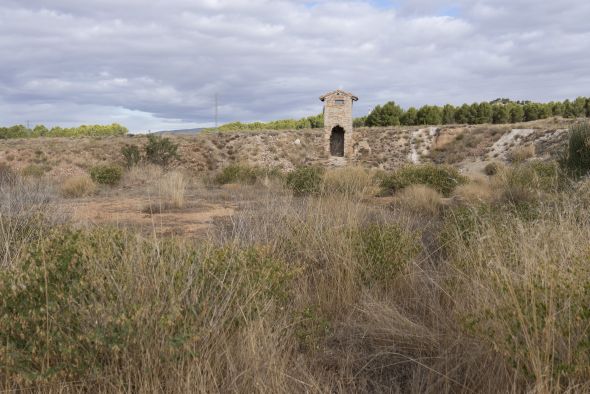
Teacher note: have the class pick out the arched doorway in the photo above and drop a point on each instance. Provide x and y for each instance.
(337, 142)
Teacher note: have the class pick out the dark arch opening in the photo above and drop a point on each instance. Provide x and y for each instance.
(337, 141)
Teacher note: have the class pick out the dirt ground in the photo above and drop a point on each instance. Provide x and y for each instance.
(194, 220)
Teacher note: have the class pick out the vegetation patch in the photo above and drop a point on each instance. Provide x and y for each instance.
(238, 173)
(443, 179)
(577, 158)
(78, 186)
(131, 154)
(160, 150)
(7, 175)
(106, 174)
(384, 251)
(306, 180)
(33, 170)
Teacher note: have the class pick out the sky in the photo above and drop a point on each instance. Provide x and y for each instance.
(158, 64)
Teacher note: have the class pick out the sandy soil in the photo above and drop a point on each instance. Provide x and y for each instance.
(193, 220)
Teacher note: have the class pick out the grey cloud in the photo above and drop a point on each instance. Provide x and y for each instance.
(161, 63)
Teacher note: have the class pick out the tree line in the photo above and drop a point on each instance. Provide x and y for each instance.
(310, 122)
(20, 131)
(497, 111)
(501, 110)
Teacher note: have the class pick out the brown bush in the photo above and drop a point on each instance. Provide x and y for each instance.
(420, 199)
(78, 186)
(521, 153)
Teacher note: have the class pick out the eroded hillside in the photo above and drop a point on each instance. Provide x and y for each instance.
(384, 148)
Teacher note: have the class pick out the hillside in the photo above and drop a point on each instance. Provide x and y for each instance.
(378, 147)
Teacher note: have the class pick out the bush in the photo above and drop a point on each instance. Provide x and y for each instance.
(441, 178)
(238, 173)
(7, 175)
(131, 155)
(385, 250)
(34, 171)
(577, 160)
(305, 180)
(78, 186)
(524, 182)
(160, 151)
(106, 174)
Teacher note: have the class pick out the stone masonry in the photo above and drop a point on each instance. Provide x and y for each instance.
(338, 135)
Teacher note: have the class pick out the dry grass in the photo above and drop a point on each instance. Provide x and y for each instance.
(521, 153)
(143, 175)
(172, 189)
(478, 190)
(350, 181)
(420, 199)
(78, 186)
(316, 294)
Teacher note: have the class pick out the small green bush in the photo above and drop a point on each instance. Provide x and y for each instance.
(33, 170)
(106, 174)
(305, 180)
(384, 251)
(131, 155)
(238, 173)
(441, 178)
(577, 160)
(160, 151)
(534, 176)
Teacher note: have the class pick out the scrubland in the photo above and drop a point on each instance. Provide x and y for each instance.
(418, 279)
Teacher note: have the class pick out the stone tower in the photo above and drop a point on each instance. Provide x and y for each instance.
(338, 122)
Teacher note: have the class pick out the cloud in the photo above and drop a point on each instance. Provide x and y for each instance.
(159, 63)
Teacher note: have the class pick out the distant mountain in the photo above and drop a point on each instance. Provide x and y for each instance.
(180, 132)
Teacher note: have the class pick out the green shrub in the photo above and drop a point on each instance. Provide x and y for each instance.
(238, 173)
(305, 180)
(384, 251)
(533, 177)
(41, 330)
(131, 155)
(106, 174)
(33, 170)
(441, 178)
(577, 160)
(160, 150)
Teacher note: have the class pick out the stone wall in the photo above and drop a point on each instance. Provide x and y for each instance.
(338, 114)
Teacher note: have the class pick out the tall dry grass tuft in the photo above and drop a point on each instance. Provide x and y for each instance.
(354, 182)
(172, 189)
(78, 186)
(477, 191)
(420, 199)
(142, 175)
(26, 208)
(521, 153)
